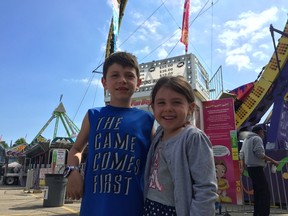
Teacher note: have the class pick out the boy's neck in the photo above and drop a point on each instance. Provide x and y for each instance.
(120, 104)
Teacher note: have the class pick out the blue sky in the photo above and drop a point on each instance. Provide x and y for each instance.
(50, 48)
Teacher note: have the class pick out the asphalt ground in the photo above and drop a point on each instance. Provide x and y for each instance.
(15, 201)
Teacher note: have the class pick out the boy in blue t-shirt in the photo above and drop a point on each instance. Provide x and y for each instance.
(118, 139)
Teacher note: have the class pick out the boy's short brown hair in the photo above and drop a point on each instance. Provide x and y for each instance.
(122, 58)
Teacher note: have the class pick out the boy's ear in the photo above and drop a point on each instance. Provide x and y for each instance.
(103, 80)
(139, 81)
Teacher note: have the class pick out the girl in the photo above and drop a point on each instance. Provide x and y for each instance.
(180, 177)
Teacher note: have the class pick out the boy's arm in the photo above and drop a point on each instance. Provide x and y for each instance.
(241, 161)
(267, 158)
(152, 133)
(75, 180)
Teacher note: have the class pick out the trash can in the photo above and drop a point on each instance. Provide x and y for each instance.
(54, 194)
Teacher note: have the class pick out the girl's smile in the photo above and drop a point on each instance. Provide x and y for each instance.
(171, 110)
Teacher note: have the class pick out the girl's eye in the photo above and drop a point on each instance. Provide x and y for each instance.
(160, 103)
(177, 102)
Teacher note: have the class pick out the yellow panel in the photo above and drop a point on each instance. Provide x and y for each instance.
(261, 87)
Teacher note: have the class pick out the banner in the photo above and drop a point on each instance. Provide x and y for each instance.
(219, 125)
(185, 25)
(115, 9)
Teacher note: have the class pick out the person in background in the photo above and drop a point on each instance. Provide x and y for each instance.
(252, 155)
(180, 176)
(118, 139)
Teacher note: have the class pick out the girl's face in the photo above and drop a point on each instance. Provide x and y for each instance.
(171, 110)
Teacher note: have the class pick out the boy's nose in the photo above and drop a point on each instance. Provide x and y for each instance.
(123, 79)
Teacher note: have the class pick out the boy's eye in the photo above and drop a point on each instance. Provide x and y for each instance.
(177, 102)
(131, 75)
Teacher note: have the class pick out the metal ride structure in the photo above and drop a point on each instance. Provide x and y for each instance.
(260, 99)
(270, 88)
(59, 114)
(39, 152)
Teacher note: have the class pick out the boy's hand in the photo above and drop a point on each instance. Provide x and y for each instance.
(241, 170)
(275, 163)
(75, 185)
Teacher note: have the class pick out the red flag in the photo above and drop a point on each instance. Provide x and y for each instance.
(185, 25)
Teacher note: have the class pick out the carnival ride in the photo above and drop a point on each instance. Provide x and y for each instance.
(253, 101)
(38, 151)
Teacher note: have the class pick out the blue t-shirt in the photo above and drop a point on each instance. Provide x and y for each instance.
(119, 140)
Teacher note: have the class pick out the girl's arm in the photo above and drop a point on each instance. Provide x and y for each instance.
(202, 169)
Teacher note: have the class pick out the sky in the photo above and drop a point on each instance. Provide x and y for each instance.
(50, 48)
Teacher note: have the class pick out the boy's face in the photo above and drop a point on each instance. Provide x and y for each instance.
(121, 82)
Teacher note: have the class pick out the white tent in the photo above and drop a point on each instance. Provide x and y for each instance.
(14, 164)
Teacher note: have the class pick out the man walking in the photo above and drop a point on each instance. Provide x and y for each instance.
(252, 154)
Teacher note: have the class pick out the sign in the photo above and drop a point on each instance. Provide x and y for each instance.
(58, 159)
(141, 102)
(219, 125)
(151, 73)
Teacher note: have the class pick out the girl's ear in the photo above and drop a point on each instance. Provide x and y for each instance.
(191, 108)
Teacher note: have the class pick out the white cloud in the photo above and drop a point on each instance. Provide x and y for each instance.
(264, 46)
(151, 25)
(196, 6)
(240, 60)
(144, 51)
(244, 49)
(244, 33)
(147, 28)
(256, 36)
(85, 81)
(250, 25)
(260, 55)
(162, 53)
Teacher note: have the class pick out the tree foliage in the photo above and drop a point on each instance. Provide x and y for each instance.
(20, 141)
(4, 144)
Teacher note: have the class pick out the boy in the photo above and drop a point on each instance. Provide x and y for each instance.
(118, 139)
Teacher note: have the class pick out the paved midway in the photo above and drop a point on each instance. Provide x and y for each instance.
(14, 201)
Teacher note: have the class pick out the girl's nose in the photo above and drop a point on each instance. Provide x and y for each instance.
(168, 107)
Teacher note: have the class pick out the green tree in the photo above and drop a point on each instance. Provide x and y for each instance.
(20, 141)
(4, 144)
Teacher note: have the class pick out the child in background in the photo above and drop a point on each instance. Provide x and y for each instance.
(118, 139)
(180, 177)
